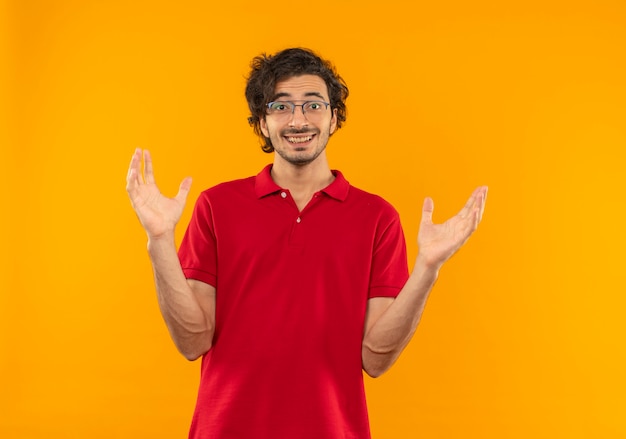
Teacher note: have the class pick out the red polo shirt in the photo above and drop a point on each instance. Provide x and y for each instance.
(292, 289)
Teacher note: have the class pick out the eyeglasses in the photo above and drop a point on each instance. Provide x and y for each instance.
(311, 109)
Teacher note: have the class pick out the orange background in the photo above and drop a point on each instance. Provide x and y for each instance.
(524, 335)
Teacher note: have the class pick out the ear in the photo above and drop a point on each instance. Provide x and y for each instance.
(333, 122)
(263, 126)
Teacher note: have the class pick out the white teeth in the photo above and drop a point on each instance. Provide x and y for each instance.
(299, 139)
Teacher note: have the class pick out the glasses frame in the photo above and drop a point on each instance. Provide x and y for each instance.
(293, 109)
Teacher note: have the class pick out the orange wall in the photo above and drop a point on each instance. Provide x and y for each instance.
(524, 334)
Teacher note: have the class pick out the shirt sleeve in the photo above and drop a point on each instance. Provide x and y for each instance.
(389, 271)
(198, 249)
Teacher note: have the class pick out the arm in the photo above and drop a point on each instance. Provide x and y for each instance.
(390, 323)
(187, 306)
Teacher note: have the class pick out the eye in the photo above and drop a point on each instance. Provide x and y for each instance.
(314, 106)
(279, 107)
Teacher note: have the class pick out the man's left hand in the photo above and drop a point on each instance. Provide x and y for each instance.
(438, 242)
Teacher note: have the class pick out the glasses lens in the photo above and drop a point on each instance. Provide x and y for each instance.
(280, 108)
(314, 107)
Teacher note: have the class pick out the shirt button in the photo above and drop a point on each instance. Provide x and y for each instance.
(283, 194)
(298, 220)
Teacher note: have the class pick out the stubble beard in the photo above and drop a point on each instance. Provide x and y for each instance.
(295, 158)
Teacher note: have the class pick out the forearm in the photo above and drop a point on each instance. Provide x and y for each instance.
(389, 335)
(190, 326)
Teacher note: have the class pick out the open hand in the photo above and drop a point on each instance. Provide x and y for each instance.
(158, 214)
(438, 242)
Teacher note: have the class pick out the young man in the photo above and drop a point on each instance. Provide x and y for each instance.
(288, 284)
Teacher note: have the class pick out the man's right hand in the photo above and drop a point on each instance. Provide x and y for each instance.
(158, 214)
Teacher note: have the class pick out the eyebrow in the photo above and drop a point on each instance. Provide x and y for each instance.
(307, 94)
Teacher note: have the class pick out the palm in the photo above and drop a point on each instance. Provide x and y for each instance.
(158, 214)
(438, 242)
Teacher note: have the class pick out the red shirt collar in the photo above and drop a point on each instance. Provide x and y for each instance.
(264, 185)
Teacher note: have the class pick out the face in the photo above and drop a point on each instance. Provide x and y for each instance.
(300, 138)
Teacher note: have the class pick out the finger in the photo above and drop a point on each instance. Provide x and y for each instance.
(134, 162)
(471, 203)
(482, 202)
(134, 174)
(183, 190)
(147, 167)
(478, 208)
(131, 180)
(427, 210)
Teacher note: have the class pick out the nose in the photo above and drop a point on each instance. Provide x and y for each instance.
(298, 118)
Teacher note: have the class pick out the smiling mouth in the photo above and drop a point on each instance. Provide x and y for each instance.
(299, 139)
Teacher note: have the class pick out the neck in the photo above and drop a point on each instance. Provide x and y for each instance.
(302, 181)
